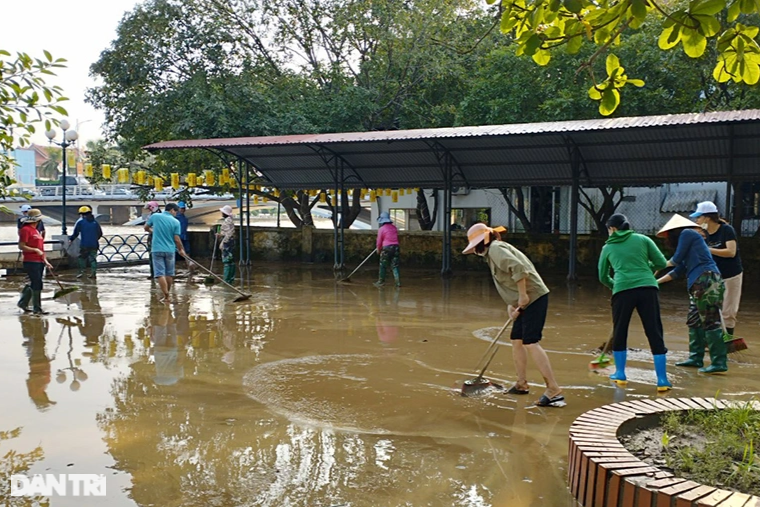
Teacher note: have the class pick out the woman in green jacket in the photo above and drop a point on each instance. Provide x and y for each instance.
(631, 257)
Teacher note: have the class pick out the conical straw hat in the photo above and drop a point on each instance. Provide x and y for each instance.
(676, 222)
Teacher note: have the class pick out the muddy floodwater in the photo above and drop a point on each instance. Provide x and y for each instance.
(313, 393)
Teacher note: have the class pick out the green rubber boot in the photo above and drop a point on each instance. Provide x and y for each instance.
(696, 348)
(37, 303)
(397, 277)
(229, 273)
(81, 264)
(26, 296)
(93, 268)
(718, 352)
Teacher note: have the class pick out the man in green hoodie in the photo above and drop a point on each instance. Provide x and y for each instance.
(632, 258)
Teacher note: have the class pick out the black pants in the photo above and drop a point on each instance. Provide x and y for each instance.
(646, 301)
(34, 271)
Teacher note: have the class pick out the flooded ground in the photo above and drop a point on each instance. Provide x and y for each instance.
(312, 393)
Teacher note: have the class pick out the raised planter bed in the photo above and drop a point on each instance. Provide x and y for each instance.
(603, 473)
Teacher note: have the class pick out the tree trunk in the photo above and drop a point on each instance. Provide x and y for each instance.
(423, 211)
(610, 204)
(519, 210)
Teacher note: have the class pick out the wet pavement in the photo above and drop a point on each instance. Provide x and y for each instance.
(313, 393)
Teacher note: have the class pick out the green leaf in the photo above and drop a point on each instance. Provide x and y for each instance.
(636, 82)
(612, 63)
(694, 43)
(610, 101)
(751, 73)
(574, 6)
(639, 9)
(733, 11)
(707, 7)
(670, 37)
(708, 24)
(574, 45)
(594, 93)
(532, 44)
(542, 57)
(508, 22)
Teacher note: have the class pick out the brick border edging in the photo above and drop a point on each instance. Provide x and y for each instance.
(602, 473)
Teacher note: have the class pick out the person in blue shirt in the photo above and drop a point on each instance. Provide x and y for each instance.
(184, 237)
(89, 229)
(692, 257)
(164, 246)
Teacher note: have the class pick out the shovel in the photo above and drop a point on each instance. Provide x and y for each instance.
(61, 292)
(346, 279)
(242, 297)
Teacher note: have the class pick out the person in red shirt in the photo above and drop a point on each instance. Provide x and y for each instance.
(388, 247)
(32, 246)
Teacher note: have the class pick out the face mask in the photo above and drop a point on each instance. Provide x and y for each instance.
(703, 226)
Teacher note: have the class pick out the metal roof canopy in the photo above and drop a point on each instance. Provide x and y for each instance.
(633, 151)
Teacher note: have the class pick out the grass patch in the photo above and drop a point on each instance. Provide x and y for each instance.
(714, 447)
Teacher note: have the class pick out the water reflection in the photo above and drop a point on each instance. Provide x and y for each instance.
(34, 329)
(166, 350)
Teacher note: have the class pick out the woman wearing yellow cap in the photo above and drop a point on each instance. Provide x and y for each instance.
(527, 299)
(693, 258)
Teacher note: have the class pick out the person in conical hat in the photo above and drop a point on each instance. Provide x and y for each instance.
(693, 259)
(527, 299)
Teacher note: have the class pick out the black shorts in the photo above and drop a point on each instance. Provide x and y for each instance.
(529, 325)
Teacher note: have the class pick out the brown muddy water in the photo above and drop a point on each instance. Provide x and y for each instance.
(313, 393)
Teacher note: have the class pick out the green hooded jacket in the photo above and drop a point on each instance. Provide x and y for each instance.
(632, 257)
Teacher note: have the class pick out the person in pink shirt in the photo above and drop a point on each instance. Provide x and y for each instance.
(387, 245)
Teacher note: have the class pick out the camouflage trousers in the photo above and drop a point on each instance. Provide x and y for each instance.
(706, 301)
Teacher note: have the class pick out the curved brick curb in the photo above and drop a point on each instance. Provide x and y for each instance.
(602, 473)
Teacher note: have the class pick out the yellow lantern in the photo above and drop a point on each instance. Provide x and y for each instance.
(394, 196)
(312, 193)
(158, 183)
(106, 169)
(372, 196)
(149, 181)
(409, 191)
(122, 175)
(266, 199)
(388, 192)
(416, 189)
(175, 181)
(88, 170)
(200, 180)
(140, 177)
(276, 192)
(363, 194)
(209, 178)
(322, 197)
(256, 199)
(401, 191)
(72, 158)
(224, 179)
(191, 180)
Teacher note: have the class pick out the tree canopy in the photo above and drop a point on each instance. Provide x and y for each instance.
(25, 99)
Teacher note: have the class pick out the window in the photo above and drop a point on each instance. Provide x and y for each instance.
(463, 218)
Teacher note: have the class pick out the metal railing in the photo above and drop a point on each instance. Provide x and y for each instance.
(128, 248)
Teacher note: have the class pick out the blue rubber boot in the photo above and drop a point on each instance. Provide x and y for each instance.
(660, 368)
(619, 376)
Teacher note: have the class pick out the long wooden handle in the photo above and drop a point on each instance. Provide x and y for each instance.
(498, 335)
(217, 276)
(362, 264)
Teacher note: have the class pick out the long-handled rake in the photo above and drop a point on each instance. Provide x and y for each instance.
(479, 383)
(242, 297)
(346, 279)
(62, 291)
(209, 279)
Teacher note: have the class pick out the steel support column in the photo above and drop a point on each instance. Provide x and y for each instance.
(446, 254)
(730, 178)
(575, 166)
(248, 215)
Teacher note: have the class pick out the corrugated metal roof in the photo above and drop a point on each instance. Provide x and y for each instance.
(633, 151)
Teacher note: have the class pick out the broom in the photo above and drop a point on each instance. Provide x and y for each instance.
(733, 343)
(603, 360)
(61, 292)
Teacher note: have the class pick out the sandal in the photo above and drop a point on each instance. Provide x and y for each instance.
(516, 390)
(556, 401)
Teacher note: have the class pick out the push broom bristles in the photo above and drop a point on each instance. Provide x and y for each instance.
(735, 345)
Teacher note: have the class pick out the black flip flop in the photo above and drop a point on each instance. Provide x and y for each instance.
(515, 390)
(556, 401)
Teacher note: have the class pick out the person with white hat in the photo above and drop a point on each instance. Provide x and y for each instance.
(226, 235)
(527, 299)
(388, 248)
(32, 246)
(24, 211)
(706, 288)
(722, 243)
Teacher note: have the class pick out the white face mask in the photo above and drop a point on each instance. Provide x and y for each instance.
(703, 225)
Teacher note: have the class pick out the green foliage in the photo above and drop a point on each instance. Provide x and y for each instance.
(25, 99)
(726, 30)
(14, 462)
(716, 447)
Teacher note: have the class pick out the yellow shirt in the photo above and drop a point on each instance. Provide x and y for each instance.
(508, 266)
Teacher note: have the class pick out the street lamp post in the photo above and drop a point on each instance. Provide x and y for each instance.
(69, 138)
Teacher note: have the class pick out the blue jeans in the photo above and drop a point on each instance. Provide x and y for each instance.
(163, 263)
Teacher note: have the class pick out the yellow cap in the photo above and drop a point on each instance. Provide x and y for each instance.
(84, 209)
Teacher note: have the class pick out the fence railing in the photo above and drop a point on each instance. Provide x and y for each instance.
(124, 248)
